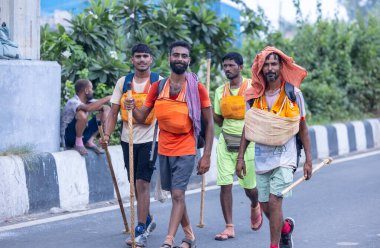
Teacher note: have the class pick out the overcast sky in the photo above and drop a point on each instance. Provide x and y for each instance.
(274, 8)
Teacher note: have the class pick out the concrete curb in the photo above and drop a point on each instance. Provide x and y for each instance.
(39, 182)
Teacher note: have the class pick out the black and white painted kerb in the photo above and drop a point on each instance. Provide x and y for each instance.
(340, 139)
(66, 180)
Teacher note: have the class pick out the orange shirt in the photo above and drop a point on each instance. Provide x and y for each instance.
(171, 144)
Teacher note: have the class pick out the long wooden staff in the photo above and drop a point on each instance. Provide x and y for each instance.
(201, 217)
(300, 180)
(131, 170)
(100, 128)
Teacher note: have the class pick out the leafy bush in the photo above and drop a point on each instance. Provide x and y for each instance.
(98, 41)
(343, 64)
(343, 59)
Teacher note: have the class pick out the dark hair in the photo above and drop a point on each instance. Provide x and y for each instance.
(81, 84)
(276, 56)
(179, 43)
(233, 56)
(141, 48)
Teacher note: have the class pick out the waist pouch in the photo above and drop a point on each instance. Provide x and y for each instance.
(232, 141)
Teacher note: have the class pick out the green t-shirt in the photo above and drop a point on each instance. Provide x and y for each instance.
(230, 126)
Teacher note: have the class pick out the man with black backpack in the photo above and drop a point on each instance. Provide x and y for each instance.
(140, 82)
(179, 102)
(276, 116)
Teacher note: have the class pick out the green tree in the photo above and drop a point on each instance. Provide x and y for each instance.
(343, 64)
(360, 8)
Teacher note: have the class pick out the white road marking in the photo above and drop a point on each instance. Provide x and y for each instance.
(126, 205)
(347, 243)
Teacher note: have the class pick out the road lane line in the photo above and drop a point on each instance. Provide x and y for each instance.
(126, 205)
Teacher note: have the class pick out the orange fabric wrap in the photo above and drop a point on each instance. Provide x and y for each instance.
(233, 107)
(282, 104)
(290, 72)
(173, 115)
(139, 101)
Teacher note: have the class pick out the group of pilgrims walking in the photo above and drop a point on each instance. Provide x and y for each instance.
(263, 126)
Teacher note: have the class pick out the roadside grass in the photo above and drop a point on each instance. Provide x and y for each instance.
(18, 150)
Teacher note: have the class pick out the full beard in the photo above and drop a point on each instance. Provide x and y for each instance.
(89, 97)
(178, 69)
(271, 76)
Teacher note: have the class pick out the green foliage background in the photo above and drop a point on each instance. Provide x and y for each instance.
(343, 59)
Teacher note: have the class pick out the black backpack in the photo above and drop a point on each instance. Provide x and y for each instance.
(128, 80)
(289, 91)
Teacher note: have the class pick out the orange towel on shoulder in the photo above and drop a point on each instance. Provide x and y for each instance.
(290, 72)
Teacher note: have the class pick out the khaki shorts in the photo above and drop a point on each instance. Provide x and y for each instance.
(226, 164)
(273, 182)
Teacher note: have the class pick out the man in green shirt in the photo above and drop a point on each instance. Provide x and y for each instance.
(229, 112)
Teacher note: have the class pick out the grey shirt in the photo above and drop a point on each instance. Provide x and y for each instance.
(68, 112)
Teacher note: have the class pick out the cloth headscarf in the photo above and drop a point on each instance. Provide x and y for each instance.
(290, 72)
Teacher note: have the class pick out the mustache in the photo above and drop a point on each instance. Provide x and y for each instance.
(178, 67)
(230, 75)
(179, 63)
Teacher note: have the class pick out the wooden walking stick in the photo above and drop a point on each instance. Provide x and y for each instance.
(100, 128)
(299, 181)
(131, 169)
(201, 217)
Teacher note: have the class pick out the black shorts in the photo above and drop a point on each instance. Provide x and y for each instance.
(143, 169)
(70, 133)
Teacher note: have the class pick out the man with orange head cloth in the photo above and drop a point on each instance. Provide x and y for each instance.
(277, 104)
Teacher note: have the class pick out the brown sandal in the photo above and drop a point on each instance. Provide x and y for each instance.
(189, 242)
(256, 219)
(169, 242)
(96, 149)
(81, 149)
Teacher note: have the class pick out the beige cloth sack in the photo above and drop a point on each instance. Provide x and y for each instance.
(266, 128)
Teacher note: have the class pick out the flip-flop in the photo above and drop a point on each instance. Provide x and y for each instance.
(259, 219)
(96, 149)
(81, 149)
(223, 236)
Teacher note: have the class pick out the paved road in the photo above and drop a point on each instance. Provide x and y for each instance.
(340, 207)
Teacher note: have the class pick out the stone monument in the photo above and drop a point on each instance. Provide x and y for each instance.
(30, 89)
